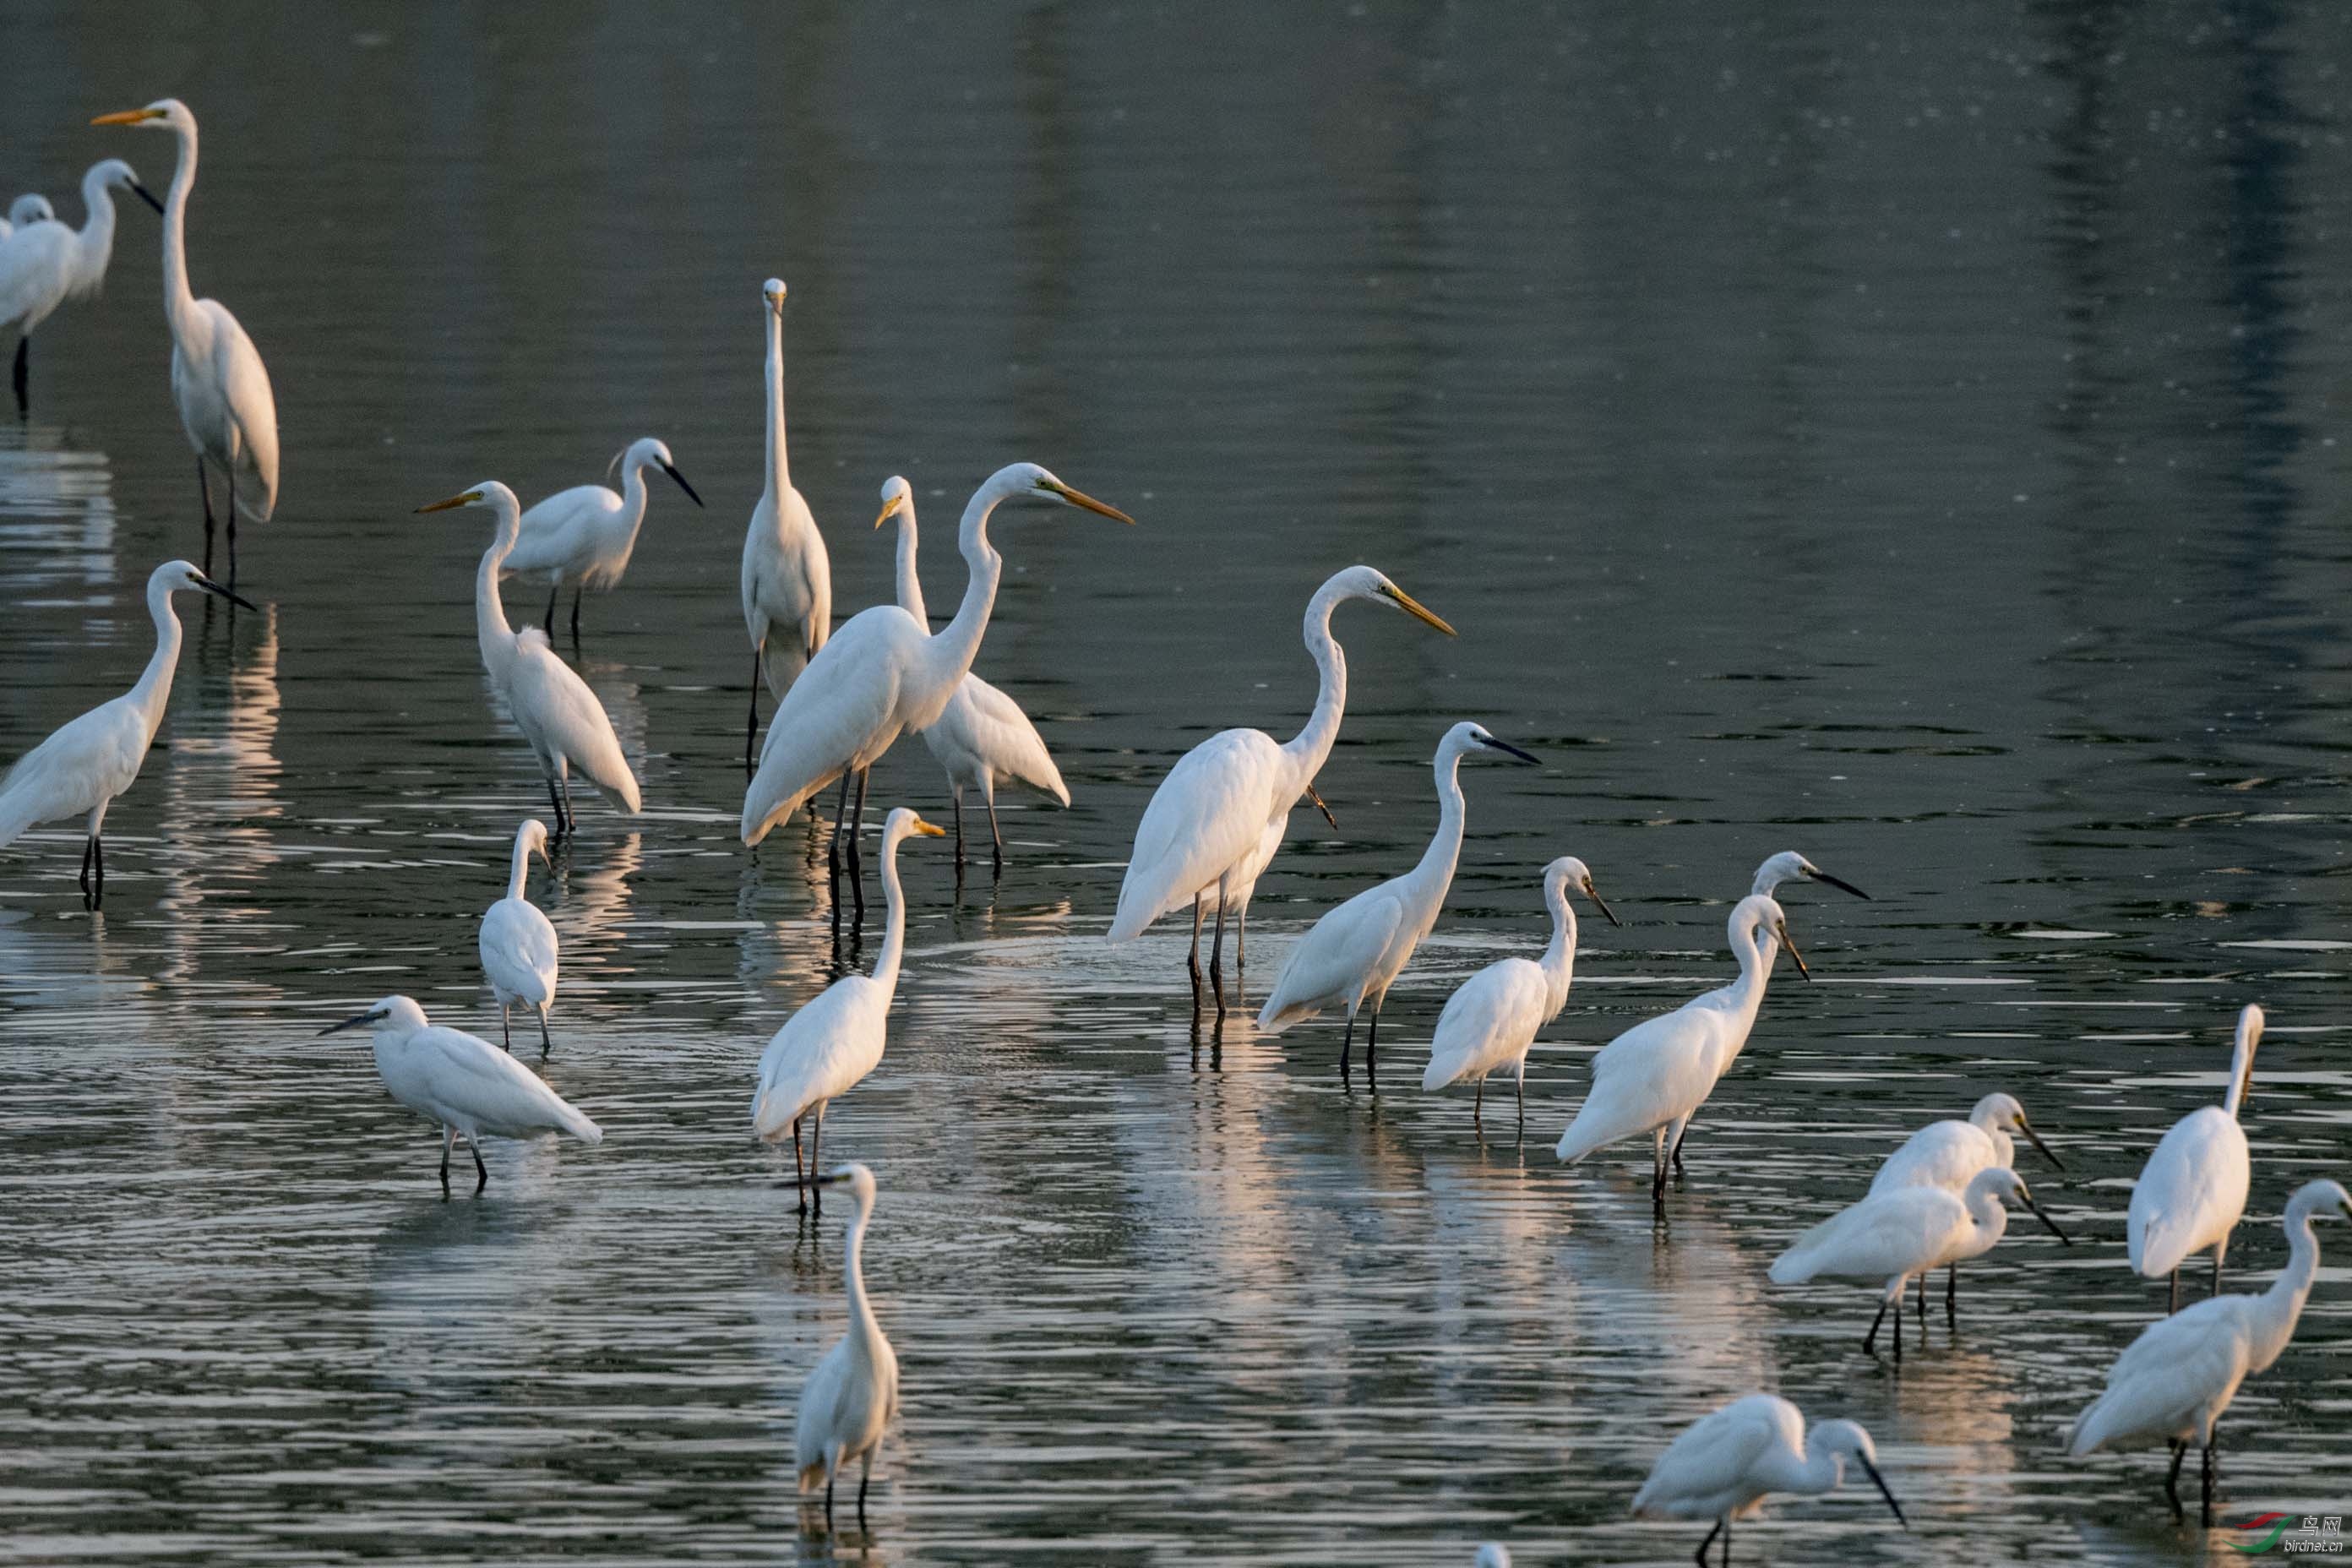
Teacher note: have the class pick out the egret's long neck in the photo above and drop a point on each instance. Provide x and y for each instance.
(178, 299)
(1756, 948)
(894, 938)
(911, 582)
(633, 498)
(1559, 960)
(861, 1310)
(1309, 749)
(491, 628)
(1445, 849)
(2276, 1311)
(2241, 1060)
(154, 688)
(780, 469)
(950, 653)
(521, 870)
(95, 240)
(1819, 1472)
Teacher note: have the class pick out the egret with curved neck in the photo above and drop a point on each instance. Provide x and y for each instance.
(1727, 1461)
(2192, 1192)
(852, 1392)
(47, 263)
(586, 535)
(518, 944)
(787, 581)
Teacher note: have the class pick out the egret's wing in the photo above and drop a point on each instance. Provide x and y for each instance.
(1894, 1233)
(1207, 813)
(815, 570)
(844, 704)
(35, 270)
(1718, 1452)
(1941, 1155)
(554, 707)
(492, 1087)
(1329, 964)
(91, 757)
(2192, 1190)
(243, 382)
(2167, 1375)
(991, 726)
(518, 950)
(1490, 1019)
(822, 1051)
(559, 530)
(1655, 1072)
(819, 1412)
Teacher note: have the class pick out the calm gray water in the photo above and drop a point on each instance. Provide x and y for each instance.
(1908, 438)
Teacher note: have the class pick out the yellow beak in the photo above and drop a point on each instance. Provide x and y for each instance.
(929, 829)
(128, 117)
(469, 499)
(1078, 498)
(889, 509)
(1413, 607)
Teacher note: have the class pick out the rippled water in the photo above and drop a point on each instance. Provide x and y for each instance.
(1911, 438)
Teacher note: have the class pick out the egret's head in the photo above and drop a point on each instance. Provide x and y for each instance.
(650, 451)
(31, 208)
(897, 496)
(1570, 874)
(490, 493)
(175, 576)
(1467, 737)
(1760, 915)
(393, 1015)
(1370, 582)
(164, 115)
(2007, 1186)
(1844, 1440)
(903, 824)
(2318, 1198)
(772, 292)
(114, 175)
(1790, 866)
(532, 836)
(1998, 1113)
(857, 1178)
(1015, 480)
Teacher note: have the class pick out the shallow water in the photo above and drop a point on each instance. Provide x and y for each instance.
(1911, 440)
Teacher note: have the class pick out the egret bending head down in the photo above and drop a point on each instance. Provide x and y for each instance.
(1727, 1461)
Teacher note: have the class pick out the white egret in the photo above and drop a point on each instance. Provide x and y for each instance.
(2192, 1191)
(1352, 955)
(787, 580)
(1727, 1461)
(852, 1392)
(28, 208)
(2177, 1378)
(86, 763)
(518, 944)
(1894, 1235)
(1216, 821)
(227, 408)
(566, 726)
(1653, 1077)
(47, 263)
(1492, 1017)
(981, 736)
(463, 1082)
(883, 673)
(1789, 866)
(585, 535)
(1493, 1554)
(829, 1046)
(1949, 1153)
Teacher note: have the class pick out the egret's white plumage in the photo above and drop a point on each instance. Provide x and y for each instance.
(1949, 1153)
(2192, 1192)
(1789, 866)
(852, 1392)
(463, 1082)
(981, 736)
(1726, 1462)
(787, 581)
(1492, 1017)
(86, 763)
(28, 208)
(586, 535)
(222, 388)
(1493, 1554)
(518, 944)
(566, 726)
(43, 263)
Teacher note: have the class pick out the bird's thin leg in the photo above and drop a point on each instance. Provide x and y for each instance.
(506, 1027)
(448, 1137)
(1519, 1093)
(1708, 1542)
(575, 618)
(570, 817)
(800, 1172)
(1371, 1042)
(98, 870)
(833, 842)
(1477, 1104)
(1347, 1039)
(1951, 1295)
(232, 526)
(751, 724)
(1658, 1172)
(1682, 1136)
(1923, 1299)
(24, 346)
(816, 1153)
(2172, 1301)
(1192, 960)
(1870, 1339)
(205, 488)
(828, 1492)
(958, 796)
(1241, 930)
(546, 622)
(990, 798)
(90, 846)
(1217, 954)
(865, 1473)
(545, 1045)
(2208, 1469)
(2172, 1480)
(555, 802)
(856, 860)
(1727, 1540)
(2219, 1247)
(482, 1171)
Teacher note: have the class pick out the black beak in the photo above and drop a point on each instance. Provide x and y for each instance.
(353, 1022)
(1880, 1482)
(1602, 905)
(147, 196)
(209, 586)
(1841, 884)
(1505, 748)
(1321, 807)
(2027, 1199)
(2047, 1153)
(688, 489)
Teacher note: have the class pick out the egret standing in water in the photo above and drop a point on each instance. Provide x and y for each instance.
(2175, 1380)
(586, 535)
(852, 1393)
(1728, 1460)
(787, 580)
(47, 263)
(518, 944)
(1491, 1020)
(1352, 955)
(2192, 1192)
(1949, 1153)
(981, 737)
(1216, 821)
(566, 726)
(217, 377)
(463, 1082)
(82, 767)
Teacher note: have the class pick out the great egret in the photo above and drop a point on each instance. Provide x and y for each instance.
(884, 673)
(47, 263)
(463, 1082)
(787, 581)
(217, 377)
(1789, 866)
(1492, 1018)
(518, 944)
(85, 763)
(2175, 1380)
(2192, 1192)
(981, 735)
(1215, 821)
(829, 1046)
(1894, 1235)
(28, 208)
(566, 726)
(1352, 955)
(1653, 1077)
(1728, 1460)
(585, 535)
(852, 1392)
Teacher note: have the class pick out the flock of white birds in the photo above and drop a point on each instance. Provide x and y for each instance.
(844, 695)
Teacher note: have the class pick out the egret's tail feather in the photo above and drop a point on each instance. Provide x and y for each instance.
(580, 1127)
(812, 1476)
(773, 1116)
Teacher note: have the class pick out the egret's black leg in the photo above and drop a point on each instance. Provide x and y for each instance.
(2172, 1301)
(1951, 1295)
(205, 488)
(1870, 1339)
(864, 1476)
(546, 622)
(570, 817)
(575, 620)
(800, 1172)
(1372, 1044)
(23, 345)
(89, 848)
(505, 1029)
(448, 1137)
(828, 1497)
(856, 861)
(1727, 1541)
(1346, 1040)
(2172, 1480)
(1478, 1104)
(232, 526)
(1680, 1139)
(545, 1045)
(1192, 960)
(999, 870)
(482, 1171)
(1217, 956)
(1923, 1299)
(98, 870)
(2208, 1486)
(555, 802)
(1708, 1542)
(751, 725)
(816, 1153)
(1519, 1093)
(959, 822)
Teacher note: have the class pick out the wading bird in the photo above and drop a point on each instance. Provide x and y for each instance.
(1492, 1018)
(2192, 1192)
(463, 1082)
(82, 767)
(1352, 955)
(585, 535)
(566, 726)
(1730, 1459)
(1949, 1154)
(217, 377)
(518, 944)
(2175, 1380)
(1215, 821)
(851, 1393)
(28, 208)
(47, 263)
(787, 580)
(1789, 866)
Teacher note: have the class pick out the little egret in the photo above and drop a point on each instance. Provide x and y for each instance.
(981, 736)
(1789, 866)
(2174, 1382)
(1491, 1020)
(217, 378)
(47, 263)
(84, 764)
(566, 726)
(1728, 1460)
(2192, 1192)
(585, 535)
(884, 673)
(28, 208)
(787, 581)
(852, 1392)
(826, 1048)
(518, 944)
(1949, 1154)
(1653, 1077)
(1893, 1236)
(1352, 955)
(1216, 821)
(463, 1082)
